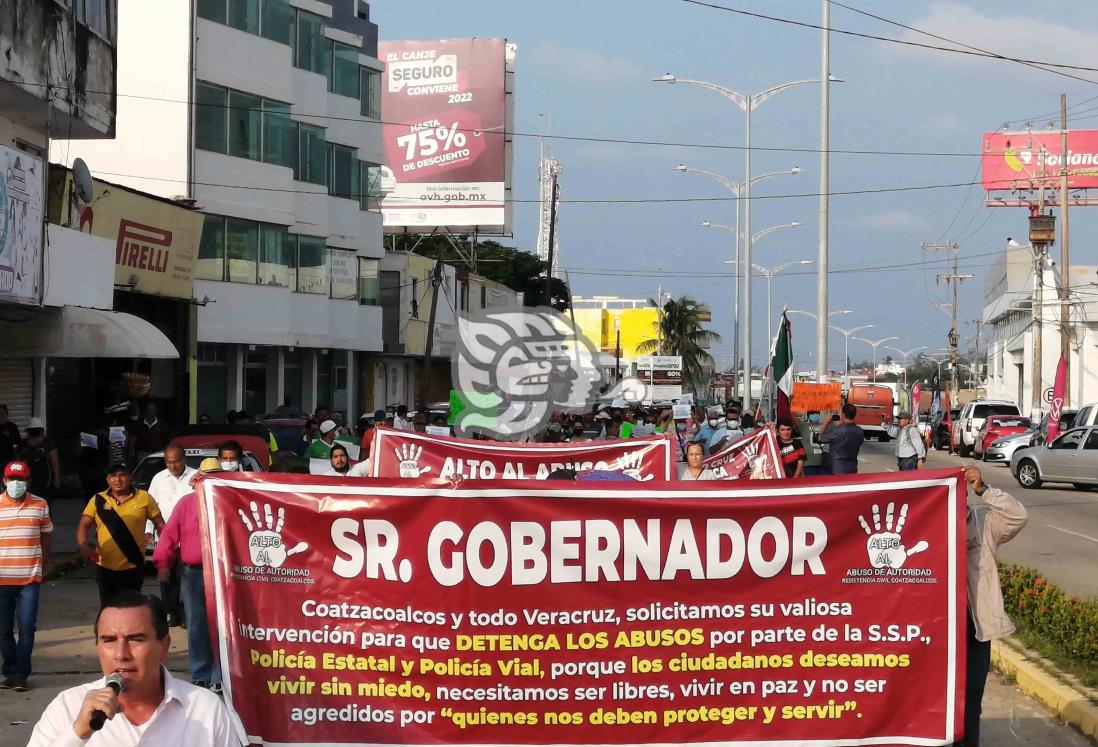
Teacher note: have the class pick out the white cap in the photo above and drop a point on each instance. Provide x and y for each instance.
(35, 423)
(327, 426)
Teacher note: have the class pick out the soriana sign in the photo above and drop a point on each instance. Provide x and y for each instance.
(445, 132)
(1025, 160)
(406, 454)
(780, 613)
(156, 240)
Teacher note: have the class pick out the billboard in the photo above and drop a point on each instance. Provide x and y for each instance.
(662, 374)
(1025, 160)
(156, 240)
(447, 114)
(21, 208)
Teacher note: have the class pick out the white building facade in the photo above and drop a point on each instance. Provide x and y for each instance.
(266, 114)
(1012, 318)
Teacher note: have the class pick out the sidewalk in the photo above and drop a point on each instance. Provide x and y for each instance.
(65, 656)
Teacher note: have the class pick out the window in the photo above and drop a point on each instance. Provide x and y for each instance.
(313, 50)
(312, 155)
(276, 21)
(245, 124)
(344, 280)
(344, 171)
(369, 89)
(344, 79)
(210, 126)
(244, 15)
(1092, 440)
(369, 192)
(95, 14)
(211, 250)
(278, 134)
(242, 124)
(1069, 440)
(983, 411)
(271, 19)
(367, 282)
(241, 249)
(312, 265)
(277, 253)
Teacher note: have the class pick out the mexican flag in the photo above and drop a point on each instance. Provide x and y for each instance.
(781, 366)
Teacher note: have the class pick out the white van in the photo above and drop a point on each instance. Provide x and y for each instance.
(972, 417)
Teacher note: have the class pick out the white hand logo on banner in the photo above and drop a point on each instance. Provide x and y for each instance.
(265, 544)
(885, 548)
(628, 464)
(408, 455)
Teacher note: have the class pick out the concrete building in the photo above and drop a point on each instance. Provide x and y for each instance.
(602, 318)
(265, 114)
(57, 77)
(1010, 315)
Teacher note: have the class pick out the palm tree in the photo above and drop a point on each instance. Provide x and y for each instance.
(680, 332)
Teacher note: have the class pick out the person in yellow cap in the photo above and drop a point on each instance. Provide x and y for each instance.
(181, 540)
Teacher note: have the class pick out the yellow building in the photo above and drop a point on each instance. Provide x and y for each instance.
(601, 317)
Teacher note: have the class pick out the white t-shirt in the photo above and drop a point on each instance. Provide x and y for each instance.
(167, 490)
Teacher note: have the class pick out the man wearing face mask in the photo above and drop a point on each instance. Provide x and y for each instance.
(231, 456)
(25, 537)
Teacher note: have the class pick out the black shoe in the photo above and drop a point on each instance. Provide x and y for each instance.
(200, 683)
(174, 621)
(215, 688)
(7, 684)
(21, 686)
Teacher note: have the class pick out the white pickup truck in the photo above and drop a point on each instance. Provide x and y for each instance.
(972, 417)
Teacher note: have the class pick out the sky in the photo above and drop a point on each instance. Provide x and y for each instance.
(586, 69)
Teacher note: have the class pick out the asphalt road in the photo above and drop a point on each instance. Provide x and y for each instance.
(1061, 538)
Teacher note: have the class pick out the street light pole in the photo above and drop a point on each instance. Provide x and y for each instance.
(825, 188)
(905, 354)
(747, 103)
(737, 189)
(846, 347)
(876, 345)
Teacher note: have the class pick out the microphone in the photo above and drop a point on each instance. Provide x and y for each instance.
(99, 718)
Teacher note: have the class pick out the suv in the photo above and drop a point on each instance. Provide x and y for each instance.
(1067, 422)
(972, 417)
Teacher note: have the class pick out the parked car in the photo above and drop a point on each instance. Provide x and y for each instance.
(875, 407)
(938, 429)
(1071, 457)
(1068, 419)
(998, 426)
(971, 419)
(1086, 415)
(1002, 449)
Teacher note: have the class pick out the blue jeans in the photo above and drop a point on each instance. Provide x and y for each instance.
(202, 662)
(18, 606)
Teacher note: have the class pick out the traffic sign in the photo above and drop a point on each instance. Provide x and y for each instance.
(1048, 395)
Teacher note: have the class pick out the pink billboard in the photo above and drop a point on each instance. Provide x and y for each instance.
(445, 109)
(1025, 160)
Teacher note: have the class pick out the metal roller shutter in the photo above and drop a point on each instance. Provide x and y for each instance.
(17, 389)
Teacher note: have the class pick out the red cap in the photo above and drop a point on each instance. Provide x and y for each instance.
(17, 471)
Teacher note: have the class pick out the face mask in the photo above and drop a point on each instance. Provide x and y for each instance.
(713, 422)
(230, 466)
(814, 419)
(733, 423)
(16, 489)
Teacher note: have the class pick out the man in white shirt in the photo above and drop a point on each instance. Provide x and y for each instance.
(167, 487)
(132, 640)
(401, 421)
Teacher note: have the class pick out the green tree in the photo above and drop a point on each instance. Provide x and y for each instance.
(516, 269)
(679, 331)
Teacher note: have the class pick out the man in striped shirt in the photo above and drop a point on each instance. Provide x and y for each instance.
(25, 535)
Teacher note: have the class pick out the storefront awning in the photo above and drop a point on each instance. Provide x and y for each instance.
(93, 333)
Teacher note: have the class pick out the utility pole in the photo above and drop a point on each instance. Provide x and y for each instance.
(953, 279)
(1065, 276)
(436, 284)
(552, 241)
(825, 188)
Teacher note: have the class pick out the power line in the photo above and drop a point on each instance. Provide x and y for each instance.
(904, 42)
(592, 201)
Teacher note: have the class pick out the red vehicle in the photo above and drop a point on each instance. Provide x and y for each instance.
(998, 426)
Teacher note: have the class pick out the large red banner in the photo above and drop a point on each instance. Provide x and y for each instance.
(408, 454)
(1025, 160)
(815, 612)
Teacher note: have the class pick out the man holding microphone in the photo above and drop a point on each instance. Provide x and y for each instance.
(137, 701)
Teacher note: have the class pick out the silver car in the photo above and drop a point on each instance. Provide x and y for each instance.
(1072, 457)
(1002, 449)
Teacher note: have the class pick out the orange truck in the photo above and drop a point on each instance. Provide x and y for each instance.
(873, 401)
